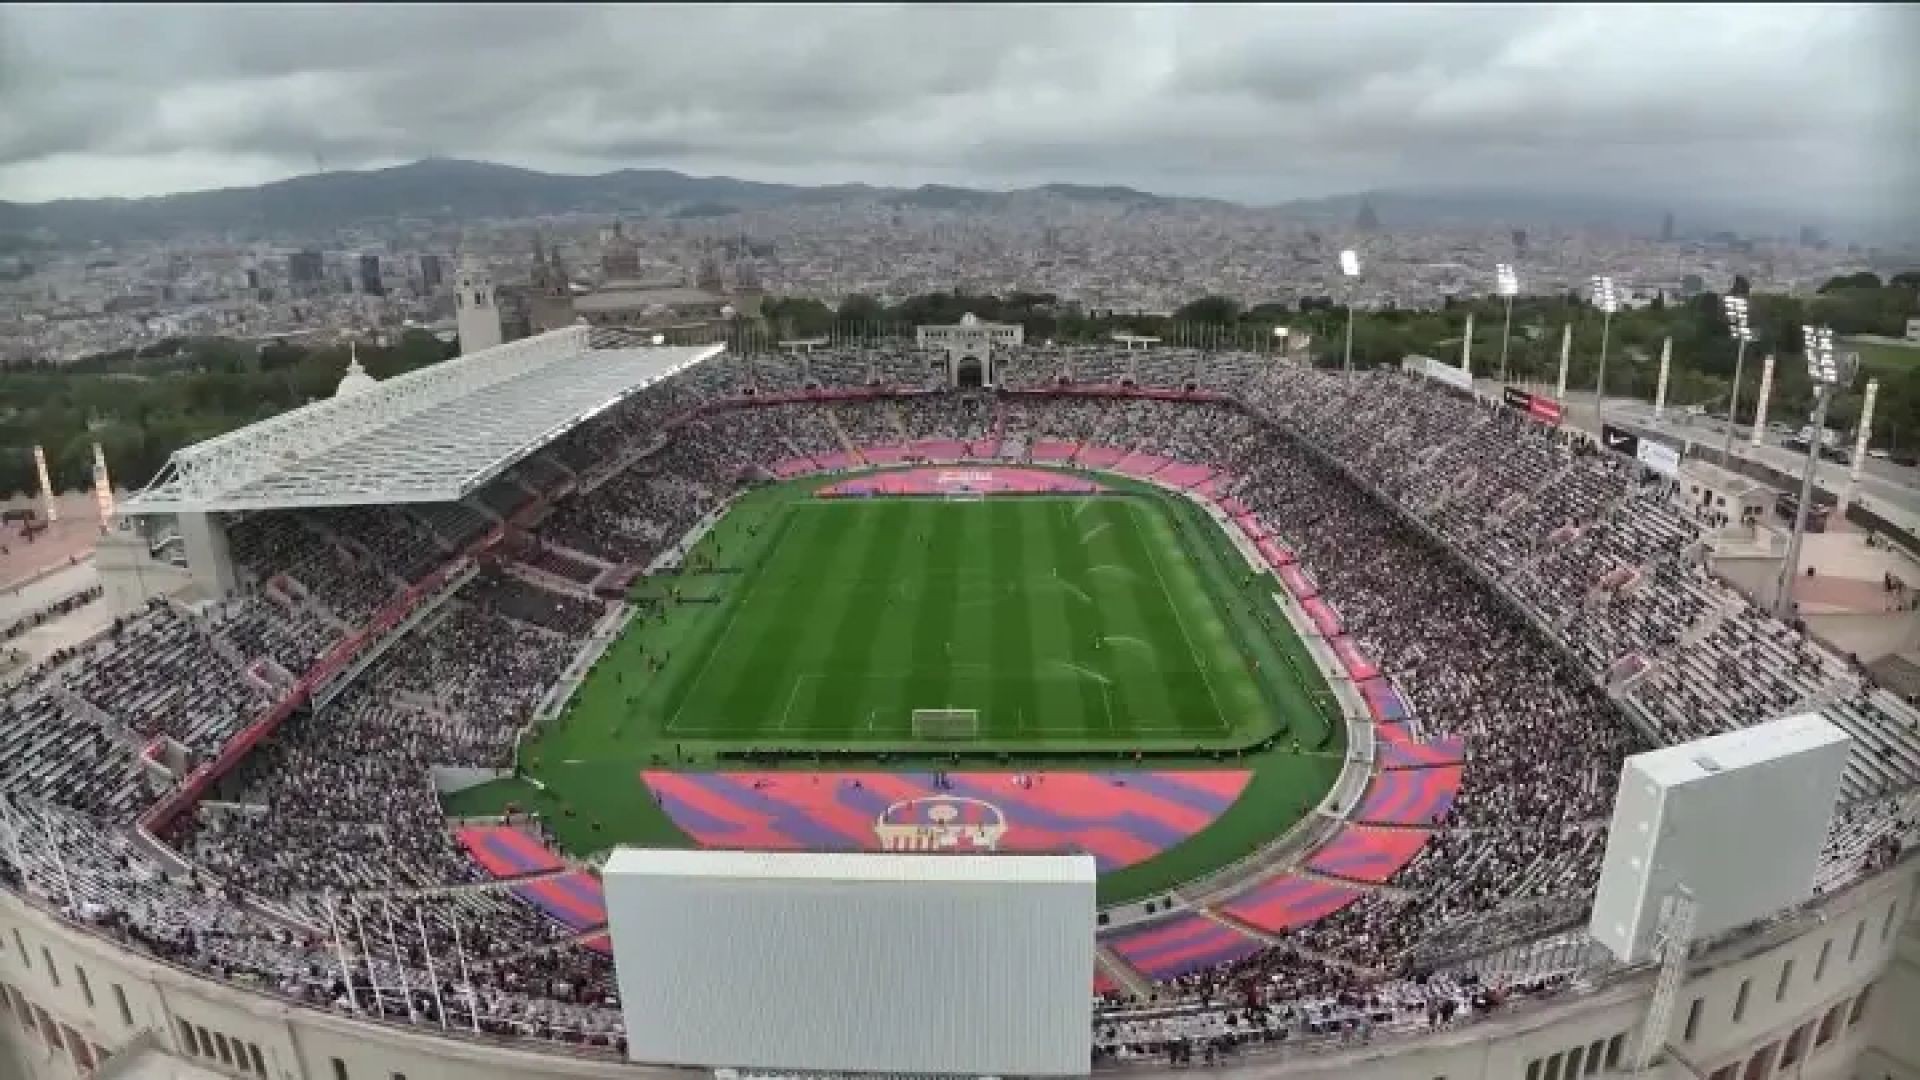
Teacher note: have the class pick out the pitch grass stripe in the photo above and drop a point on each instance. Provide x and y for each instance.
(1057, 704)
(849, 647)
(1257, 628)
(683, 682)
(937, 644)
(1059, 537)
(1007, 621)
(844, 625)
(886, 660)
(1224, 671)
(1214, 656)
(760, 684)
(1153, 666)
(1114, 586)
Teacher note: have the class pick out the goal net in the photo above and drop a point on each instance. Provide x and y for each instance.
(966, 496)
(946, 723)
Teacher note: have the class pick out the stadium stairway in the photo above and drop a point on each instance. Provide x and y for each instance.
(1121, 972)
(495, 885)
(593, 937)
(1277, 941)
(840, 435)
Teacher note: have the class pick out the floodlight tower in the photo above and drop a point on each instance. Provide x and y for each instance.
(1350, 266)
(1507, 284)
(1608, 301)
(1828, 372)
(1280, 342)
(1742, 333)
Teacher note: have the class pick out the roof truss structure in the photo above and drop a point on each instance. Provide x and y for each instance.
(432, 435)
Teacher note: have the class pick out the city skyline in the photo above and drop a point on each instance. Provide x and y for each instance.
(1256, 105)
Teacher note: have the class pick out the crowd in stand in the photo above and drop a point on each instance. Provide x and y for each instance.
(339, 805)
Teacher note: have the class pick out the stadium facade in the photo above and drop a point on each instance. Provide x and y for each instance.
(1828, 989)
(1807, 1001)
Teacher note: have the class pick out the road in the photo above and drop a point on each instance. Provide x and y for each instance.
(1889, 490)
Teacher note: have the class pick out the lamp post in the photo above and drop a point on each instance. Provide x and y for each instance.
(1280, 341)
(1826, 371)
(1507, 284)
(1608, 302)
(1742, 333)
(1350, 266)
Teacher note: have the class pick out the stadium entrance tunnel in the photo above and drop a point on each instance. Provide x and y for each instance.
(971, 374)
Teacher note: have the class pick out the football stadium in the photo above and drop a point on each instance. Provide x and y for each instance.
(594, 706)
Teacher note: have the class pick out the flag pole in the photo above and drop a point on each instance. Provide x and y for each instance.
(373, 980)
(340, 951)
(473, 1001)
(406, 992)
(60, 863)
(426, 949)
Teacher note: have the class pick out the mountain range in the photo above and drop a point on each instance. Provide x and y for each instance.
(452, 191)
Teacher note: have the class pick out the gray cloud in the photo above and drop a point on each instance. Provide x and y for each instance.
(1777, 105)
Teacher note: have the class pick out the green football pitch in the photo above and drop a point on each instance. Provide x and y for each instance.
(1056, 622)
(1079, 631)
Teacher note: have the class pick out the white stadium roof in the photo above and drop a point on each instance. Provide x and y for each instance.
(432, 435)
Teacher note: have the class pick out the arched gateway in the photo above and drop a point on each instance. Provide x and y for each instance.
(969, 347)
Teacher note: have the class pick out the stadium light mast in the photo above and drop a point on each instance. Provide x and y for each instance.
(1608, 301)
(1829, 372)
(1507, 284)
(1742, 333)
(1350, 266)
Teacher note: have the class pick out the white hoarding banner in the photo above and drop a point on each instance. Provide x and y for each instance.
(1659, 457)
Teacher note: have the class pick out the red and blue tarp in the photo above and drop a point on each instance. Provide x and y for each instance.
(1325, 619)
(1397, 749)
(575, 900)
(1141, 465)
(1182, 475)
(1121, 818)
(1289, 902)
(1351, 658)
(1409, 796)
(950, 480)
(1297, 581)
(1276, 554)
(1362, 854)
(1182, 944)
(1384, 702)
(939, 449)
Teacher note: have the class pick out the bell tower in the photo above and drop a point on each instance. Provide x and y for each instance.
(475, 311)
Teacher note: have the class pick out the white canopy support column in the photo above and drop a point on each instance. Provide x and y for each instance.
(208, 555)
(1660, 389)
(1760, 407)
(1860, 442)
(1566, 354)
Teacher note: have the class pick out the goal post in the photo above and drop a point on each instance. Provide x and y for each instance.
(946, 724)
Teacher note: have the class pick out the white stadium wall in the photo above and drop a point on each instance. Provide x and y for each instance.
(1736, 820)
(968, 964)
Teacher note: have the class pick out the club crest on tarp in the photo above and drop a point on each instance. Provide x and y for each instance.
(941, 823)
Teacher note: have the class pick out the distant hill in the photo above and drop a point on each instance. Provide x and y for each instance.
(452, 190)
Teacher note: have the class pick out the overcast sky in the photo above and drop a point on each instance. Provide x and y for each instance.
(1787, 106)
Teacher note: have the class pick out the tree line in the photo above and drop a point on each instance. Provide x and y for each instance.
(142, 405)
